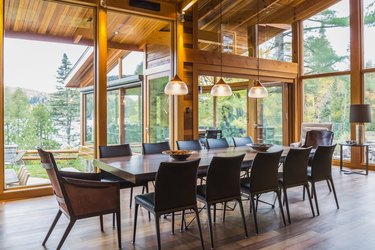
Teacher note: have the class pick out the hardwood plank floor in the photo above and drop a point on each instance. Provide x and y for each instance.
(24, 223)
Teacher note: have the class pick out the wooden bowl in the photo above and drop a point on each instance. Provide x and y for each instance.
(260, 147)
(178, 154)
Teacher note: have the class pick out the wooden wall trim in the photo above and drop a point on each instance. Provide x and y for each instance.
(27, 192)
(2, 186)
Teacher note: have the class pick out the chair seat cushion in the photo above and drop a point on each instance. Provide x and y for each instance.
(146, 200)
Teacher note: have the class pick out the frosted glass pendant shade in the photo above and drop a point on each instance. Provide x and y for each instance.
(221, 89)
(176, 87)
(258, 91)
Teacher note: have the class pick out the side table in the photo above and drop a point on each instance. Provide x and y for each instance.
(365, 145)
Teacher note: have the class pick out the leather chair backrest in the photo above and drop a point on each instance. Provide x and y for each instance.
(295, 166)
(308, 126)
(264, 171)
(217, 143)
(315, 138)
(155, 148)
(242, 141)
(49, 164)
(175, 185)
(321, 167)
(213, 134)
(223, 177)
(115, 151)
(189, 145)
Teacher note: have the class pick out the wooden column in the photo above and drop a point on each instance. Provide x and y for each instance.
(297, 89)
(356, 65)
(101, 79)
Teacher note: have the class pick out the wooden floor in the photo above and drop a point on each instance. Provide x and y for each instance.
(24, 223)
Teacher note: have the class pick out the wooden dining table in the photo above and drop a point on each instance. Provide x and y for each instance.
(136, 168)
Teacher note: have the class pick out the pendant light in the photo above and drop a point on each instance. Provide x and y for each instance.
(176, 86)
(258, 90)
(221, 88)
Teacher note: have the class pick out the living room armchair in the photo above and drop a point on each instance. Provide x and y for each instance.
(308, 127)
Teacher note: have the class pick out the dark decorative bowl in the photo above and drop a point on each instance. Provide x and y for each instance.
(178, 154)
(260, 147)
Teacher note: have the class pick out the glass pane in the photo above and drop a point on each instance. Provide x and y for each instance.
(270, 117)
(113, 117)
(133, 118)
(42, 83)
(89, 119)
(231, 26)
(369, 31)
(159, 110)
(370, 127)
(321, 105)
(206, 112)
(232, 114)
(327, 40)
(277, 46)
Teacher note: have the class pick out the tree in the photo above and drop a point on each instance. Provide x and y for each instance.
(65, 105)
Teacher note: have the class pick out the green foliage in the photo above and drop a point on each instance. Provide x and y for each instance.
(65, 105)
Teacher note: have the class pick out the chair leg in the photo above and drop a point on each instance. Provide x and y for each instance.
(334, 192)
(182, 221)
(157, 226)
(131, 197)
(113, 220)
(210, 225)
(135, 221)
(304, 190)
(287, 204)
(118, 217)
(224, 210)
(243, 216)
(329, 186)
(281, 206)
(214, 213)
(254, 214)
(101, 222)
(173, 223)
(310, 200)
(58, 215)
(199, 225)
(67, 231)
(315, 197)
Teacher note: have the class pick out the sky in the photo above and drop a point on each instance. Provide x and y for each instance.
(33, 64)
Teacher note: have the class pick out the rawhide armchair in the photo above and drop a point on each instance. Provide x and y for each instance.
(80, 195)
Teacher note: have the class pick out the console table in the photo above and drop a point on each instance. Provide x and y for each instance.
(365, 145)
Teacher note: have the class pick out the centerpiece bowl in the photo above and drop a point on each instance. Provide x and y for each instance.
(260, 147)
(178, 154)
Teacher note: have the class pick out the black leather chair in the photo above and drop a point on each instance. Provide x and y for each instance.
(119, 151)
(217, 143)
(80, 196)
(154, 148)
(213, 134)
(295, 174)
(189, 145)
(222, 185)
(242, 141)
(321, 169)
(263, 179)
(315, 138)
(175, 190)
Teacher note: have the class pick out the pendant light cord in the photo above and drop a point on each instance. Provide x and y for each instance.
(257, 45)
(221, 39)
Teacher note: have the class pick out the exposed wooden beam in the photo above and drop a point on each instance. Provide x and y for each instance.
(68, 40)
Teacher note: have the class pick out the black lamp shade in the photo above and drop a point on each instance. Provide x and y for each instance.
(360, 113)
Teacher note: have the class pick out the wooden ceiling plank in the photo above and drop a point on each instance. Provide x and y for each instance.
(18, 16)
(48, 14)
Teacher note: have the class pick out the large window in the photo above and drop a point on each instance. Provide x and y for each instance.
(113, 117)
(42, 107)
(369, 31)
(328, 100)
(370, 99)
(277, 43)
(327, 40)
(133, 118)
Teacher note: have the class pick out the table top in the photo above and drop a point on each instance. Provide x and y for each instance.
(354, 145)
(140, 167)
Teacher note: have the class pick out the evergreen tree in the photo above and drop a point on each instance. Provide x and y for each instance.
(65, 105)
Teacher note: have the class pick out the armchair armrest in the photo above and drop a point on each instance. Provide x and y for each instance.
(296, 144)
(92, 197)
(79, 175)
